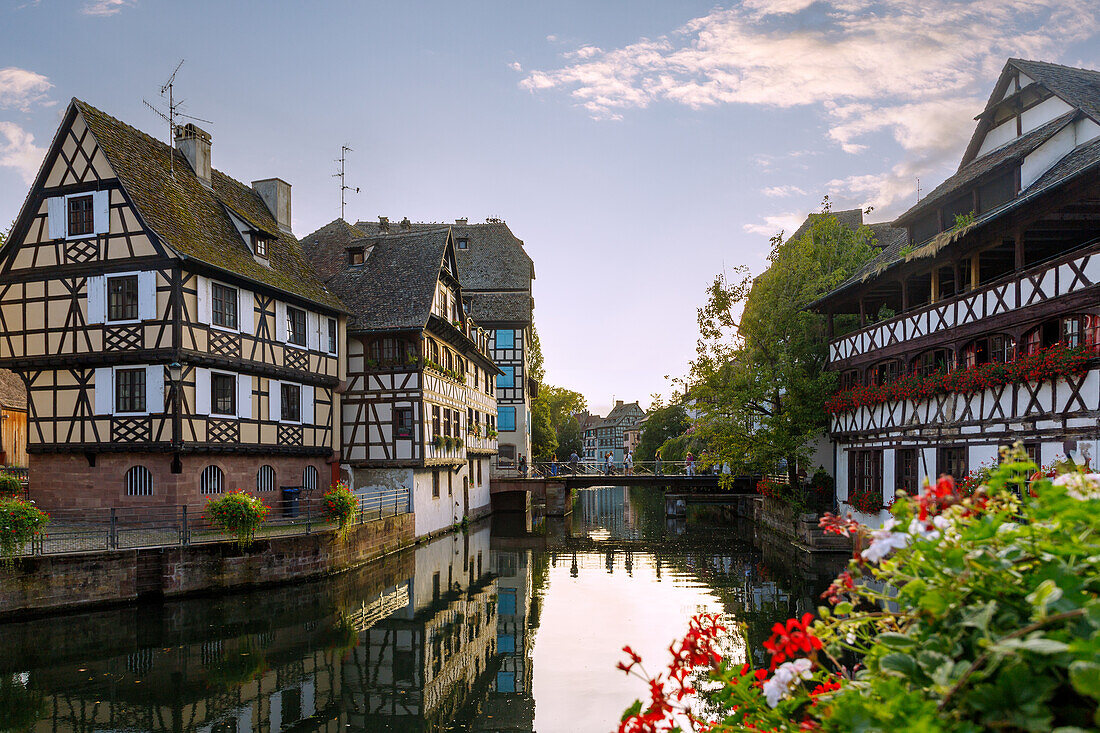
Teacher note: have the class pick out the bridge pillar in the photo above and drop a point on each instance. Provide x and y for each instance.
(675, 505)
(559, 499)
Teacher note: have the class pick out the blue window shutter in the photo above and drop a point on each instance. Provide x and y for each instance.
(506, 338)
(508, 379)
(506, 419)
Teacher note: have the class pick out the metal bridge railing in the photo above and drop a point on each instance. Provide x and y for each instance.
(117, 528)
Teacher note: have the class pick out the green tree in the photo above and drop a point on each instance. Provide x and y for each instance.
(556, 405)
(759, 371)
(544, 439)
(664, 422)
(569, 439)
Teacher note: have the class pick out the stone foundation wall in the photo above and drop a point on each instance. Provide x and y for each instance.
(67, 481)
(54, 583)
(776, 517)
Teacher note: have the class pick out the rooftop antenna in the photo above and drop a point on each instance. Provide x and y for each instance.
(173, 113)
(344, 150)
(918, 189)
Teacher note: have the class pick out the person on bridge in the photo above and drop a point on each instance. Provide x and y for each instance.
(554, 466)
(610, 464)
(690, 459)
(523, 466)
(628, 463)
(573, 460)
(657, 463)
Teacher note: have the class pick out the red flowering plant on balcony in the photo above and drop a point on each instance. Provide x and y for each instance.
(1053, 362)
(961, 613)
(867, 501)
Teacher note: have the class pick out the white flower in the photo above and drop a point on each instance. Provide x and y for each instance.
(884, 541)
(786, 675)
(850, 637)
(1080, 486)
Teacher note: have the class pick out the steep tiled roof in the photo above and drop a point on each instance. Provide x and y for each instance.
(619, 412)
(394, 288)
(493, 260)
(486, 308)
(975, 169)
(326, 248)
(192, 219)
(13, 393)
(1077, 87)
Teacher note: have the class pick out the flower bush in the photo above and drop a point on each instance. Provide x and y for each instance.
(867, 501)
(1046, 364)
(339, 505)
(10, 485)
(962, 613)
(20, 521)
(238, 513)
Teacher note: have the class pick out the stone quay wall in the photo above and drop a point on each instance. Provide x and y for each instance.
(802, 529)
(65, 582)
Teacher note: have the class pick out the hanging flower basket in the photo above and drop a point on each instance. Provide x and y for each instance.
(238, 513)
(20, 522)
(339, 505)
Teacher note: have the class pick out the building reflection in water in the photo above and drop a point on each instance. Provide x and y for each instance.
(439, 637)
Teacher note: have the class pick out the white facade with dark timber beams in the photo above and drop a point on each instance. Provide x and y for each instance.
(999, 262)
(174, 342)
(418, 406)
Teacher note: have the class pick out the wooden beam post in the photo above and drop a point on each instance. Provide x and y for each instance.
(1018, 237)
(975, 270)
(829, 326)
(935, 289)
(862, 313)
(905, 295)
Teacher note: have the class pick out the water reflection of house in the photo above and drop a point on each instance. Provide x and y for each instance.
(419, 668)
(511, 704)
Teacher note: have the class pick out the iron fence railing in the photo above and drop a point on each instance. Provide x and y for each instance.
(619, 468)
(117, 528)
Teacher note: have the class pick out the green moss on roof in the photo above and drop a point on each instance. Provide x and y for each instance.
(192, 220)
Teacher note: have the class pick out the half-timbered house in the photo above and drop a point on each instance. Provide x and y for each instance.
(496, 274)
(999, 263)
(419, 408)
(174, 342)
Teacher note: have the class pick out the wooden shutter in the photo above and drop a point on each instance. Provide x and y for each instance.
(202, 391)
(56, 208)
(280, 322)
(97, 299)
(307, 404)
(154, 388)
(147, 295)
(244, 396)
(101, 211)
(313, 343)
(104, 391)
(246, 312)
(203, 315)
(274, 396)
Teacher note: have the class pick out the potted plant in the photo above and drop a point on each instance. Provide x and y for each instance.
(438, 442)
(458, 443)
(20, 521)
(238, 513)
(339, 505)
(10, 485)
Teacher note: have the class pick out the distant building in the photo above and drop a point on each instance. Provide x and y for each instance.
(418, 408)
(13, 420)
(588, 423)
(633, 435)
(496, 274)
(610, 431)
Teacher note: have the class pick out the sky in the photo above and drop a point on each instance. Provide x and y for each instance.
(638, 147)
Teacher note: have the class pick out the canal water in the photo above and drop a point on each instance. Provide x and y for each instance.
(514, 625)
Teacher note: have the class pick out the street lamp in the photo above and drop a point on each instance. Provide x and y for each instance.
(175, 376)
(175, 373)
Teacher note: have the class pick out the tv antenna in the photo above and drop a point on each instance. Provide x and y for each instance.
(173, 112)
(344, 150)
(918, 189)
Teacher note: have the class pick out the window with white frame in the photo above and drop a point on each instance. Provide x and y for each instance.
(211, 481)
(331, 336)
(122, 298)
(223, 394)
(309, 478)
(265, 479)
(295, 326)
(79, 215)
(139, 481)
(290, 398)
(130, 390)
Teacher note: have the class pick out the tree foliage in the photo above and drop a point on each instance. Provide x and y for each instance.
(758, 375)
(553, 428)
(664, 423)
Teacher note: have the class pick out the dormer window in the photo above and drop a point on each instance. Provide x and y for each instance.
(355, 256)
(81, 216)
(259, 245)
(463, 243)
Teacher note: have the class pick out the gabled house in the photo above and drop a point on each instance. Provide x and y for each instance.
(418, 409)
(999, 263)
(496, 274)
(610, 431)
(174, 341)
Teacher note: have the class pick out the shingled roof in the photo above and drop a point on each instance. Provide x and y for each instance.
(192, 220)
(487, 308)
(394, 288)
(493, 260)
(1077, 87)
(326, 248)
(620, 413)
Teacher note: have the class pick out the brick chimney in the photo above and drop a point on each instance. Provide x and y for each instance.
(193, 142)
(618, 403)
(461, 222)
(384, 223)
(276, 194)
(405, 224)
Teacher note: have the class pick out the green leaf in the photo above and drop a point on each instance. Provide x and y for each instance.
(1037, 645)
(632, 710)
(980, 616)
(1085, 678)
(1045, 594)
(899, 663)
(896, 641)
(934, 601)
(842, 609)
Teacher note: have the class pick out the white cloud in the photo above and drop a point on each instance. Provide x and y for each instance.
(782, 191)
(515, 66)
(105, 7)
(775, 223)
(17, 150)
(21, 89)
